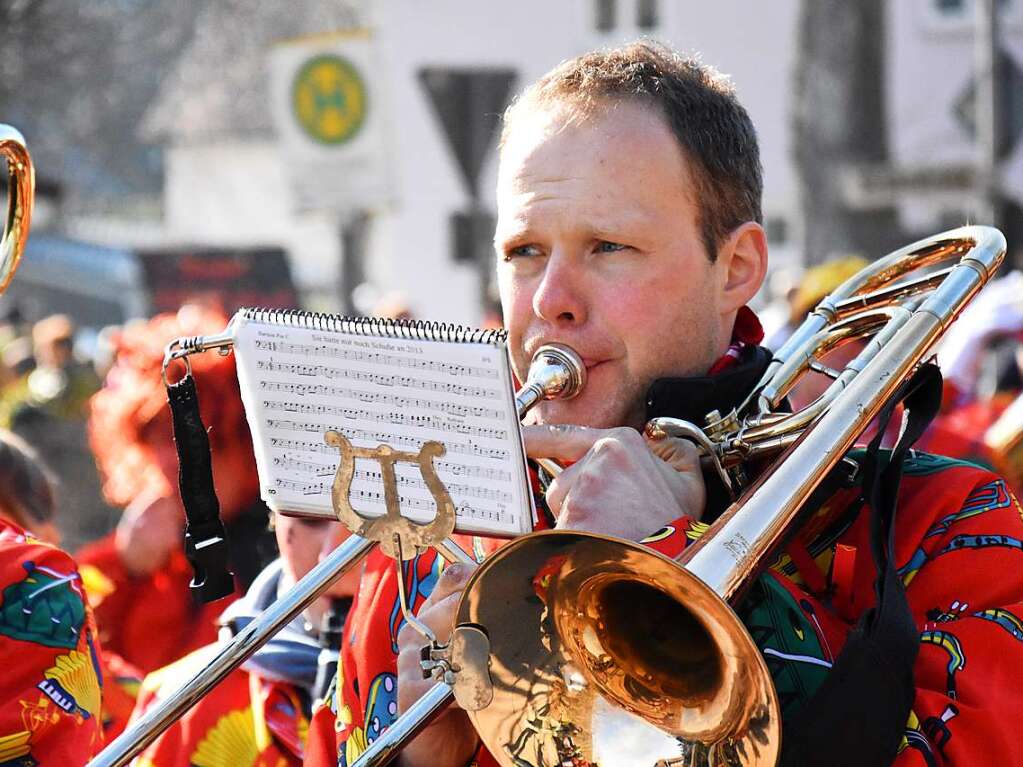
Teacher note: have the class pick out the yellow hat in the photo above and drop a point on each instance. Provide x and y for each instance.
(820, 280)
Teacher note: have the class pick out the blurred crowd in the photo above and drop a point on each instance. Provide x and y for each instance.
(118, 627)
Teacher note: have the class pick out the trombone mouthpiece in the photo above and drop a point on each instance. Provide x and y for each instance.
(556, 372)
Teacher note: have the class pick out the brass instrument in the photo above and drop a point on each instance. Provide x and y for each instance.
(21, 182)
(560, 653)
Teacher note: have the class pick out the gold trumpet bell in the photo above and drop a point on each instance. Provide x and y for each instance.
(617, 657)
(20, 194)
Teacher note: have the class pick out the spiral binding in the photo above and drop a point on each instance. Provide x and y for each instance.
(378, 327)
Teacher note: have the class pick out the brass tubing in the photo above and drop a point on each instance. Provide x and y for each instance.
(796, 365)
(751, 528)
(388, 745)
(869, 288)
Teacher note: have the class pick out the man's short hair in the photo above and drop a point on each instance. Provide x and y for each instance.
(700, 105)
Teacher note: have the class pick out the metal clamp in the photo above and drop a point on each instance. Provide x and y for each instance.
(183, 348)
(464, 664)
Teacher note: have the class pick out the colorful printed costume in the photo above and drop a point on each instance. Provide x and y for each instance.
(259, 715)
(50, 710)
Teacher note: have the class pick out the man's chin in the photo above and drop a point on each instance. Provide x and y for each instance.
(577, 413)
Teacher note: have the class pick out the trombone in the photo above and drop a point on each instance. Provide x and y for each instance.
(575, 676)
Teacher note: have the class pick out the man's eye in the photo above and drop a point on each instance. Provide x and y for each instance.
(604, 246)
(521, 251)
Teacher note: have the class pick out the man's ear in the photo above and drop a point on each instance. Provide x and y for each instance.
(742, 265)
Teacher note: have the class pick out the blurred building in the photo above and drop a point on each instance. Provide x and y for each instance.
(865, 112)
(440, 75)
(932, 93)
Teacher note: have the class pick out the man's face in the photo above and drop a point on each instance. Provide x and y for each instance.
(598, 247)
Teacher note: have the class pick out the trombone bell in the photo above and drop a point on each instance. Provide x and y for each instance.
(617, 655)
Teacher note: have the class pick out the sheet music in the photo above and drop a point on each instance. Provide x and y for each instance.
(299, 382)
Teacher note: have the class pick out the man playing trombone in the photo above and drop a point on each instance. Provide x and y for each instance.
(629, 228)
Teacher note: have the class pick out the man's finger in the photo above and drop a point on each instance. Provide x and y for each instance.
(438, 617)
(680, 454)
(559, 488)
(562, 442)
(452, 579)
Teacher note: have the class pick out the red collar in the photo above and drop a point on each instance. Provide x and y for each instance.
(747, 330)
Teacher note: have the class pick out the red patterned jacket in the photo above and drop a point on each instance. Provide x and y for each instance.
(51, 704)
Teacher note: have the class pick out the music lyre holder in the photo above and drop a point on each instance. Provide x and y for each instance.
(400, 538)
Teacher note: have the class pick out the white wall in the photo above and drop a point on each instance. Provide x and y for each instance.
(930, 66)
(236, 193)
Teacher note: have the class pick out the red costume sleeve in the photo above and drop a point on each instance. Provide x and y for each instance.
(244, 720)
(961, 557)
(50, 706)
(150, 621)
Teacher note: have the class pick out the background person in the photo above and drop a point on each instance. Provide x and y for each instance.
(260, 713)
(51, 691)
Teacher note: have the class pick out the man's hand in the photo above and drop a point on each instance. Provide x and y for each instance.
(620, 483)
(149, 530)
(450, 741)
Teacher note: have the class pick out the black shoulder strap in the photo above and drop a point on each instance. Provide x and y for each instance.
(858, 716)
(205, 538)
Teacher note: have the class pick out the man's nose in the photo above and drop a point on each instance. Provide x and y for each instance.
(560, 297)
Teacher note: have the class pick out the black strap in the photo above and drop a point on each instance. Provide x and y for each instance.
(332, 628)
(858, 716)
(205, 538)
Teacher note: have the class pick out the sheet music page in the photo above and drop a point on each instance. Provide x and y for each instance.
(298, 382)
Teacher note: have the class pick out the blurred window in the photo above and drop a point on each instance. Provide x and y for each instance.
(963, 10)
(646, 14)
(605, 15)
(777, 229)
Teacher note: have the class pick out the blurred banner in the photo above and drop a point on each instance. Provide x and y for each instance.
(327, 102)
(228, 278)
